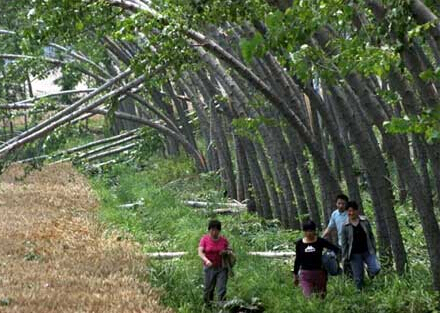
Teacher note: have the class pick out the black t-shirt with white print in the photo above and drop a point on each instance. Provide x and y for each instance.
(308, 255)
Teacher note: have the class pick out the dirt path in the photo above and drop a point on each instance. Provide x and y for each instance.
(54, 257)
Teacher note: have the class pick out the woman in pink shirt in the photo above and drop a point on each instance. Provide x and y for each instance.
(211, 248)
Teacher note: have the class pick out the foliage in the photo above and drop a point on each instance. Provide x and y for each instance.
(426, 124)
(253, 47)
(151, 143)
(200, 13)
(58, 138)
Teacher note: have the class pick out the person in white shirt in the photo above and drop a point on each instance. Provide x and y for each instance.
(337, 220)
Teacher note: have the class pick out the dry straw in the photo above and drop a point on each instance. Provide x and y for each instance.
(53, 255)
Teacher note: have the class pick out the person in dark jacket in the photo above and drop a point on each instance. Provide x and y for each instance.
(358, 245)
(308, 269)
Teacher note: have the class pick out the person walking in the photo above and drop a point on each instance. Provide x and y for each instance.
(211, 248)
(338, 218)
(359, 245)
(308, 269)
(336, 223)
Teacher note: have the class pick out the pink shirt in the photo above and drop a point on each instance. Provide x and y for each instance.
(212, 248)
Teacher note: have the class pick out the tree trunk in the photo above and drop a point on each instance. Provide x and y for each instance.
(244, 181)
(205, 125)
(296, 149)
(339, 145)
(268, 177)
(369, 103)
(221, 143)
(182, 114)
(288, 212)
(172, 146)
(260, 192)
(413, 106)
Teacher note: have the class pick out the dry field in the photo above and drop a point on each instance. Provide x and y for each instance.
(54, 257)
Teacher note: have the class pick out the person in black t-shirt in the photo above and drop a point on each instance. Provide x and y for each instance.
(308, 270)
(358, 245)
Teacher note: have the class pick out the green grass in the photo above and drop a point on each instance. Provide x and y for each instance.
(165, 224)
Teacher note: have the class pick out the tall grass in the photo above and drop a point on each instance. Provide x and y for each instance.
(163, 223)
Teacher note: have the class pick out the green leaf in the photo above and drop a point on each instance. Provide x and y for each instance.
(428, 75)
(397, 125)
(273, 20)
(79, 26)
(252, 47)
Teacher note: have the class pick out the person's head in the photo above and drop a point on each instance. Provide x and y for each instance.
(309, 229)
(341, 202)
(214, 228)
(352, 210)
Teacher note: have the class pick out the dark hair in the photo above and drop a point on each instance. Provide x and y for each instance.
(309, 225)
(214, 224)
(352, 204)
(342, 197)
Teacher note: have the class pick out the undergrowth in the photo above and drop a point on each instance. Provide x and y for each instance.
(164, 223)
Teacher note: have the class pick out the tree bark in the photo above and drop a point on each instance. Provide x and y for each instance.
(172, 145)
(206, 128)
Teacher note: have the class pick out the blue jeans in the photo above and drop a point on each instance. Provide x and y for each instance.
(357, 261)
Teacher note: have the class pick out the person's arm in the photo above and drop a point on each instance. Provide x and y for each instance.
(326, 232)
(296, 264)
(327, 244)
(370, 230)
(344, 243)
(203, 257)
(331, 226)
(228, 249)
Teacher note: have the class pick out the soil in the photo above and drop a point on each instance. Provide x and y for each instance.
(54, 254)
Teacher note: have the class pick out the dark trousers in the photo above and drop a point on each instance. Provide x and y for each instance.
(215, 277)
(346, 269)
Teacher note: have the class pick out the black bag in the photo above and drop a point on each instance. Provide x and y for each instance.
(330, 263)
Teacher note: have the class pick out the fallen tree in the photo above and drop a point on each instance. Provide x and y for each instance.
(82, 147)
(165, 255)
(85, 155)
(131, 205)
(273, 254)
(204, 204)
(111, 152)
(26, 104)
(69, 113)
(223, 211)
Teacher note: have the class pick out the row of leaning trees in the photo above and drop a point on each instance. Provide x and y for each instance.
(290, 101)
